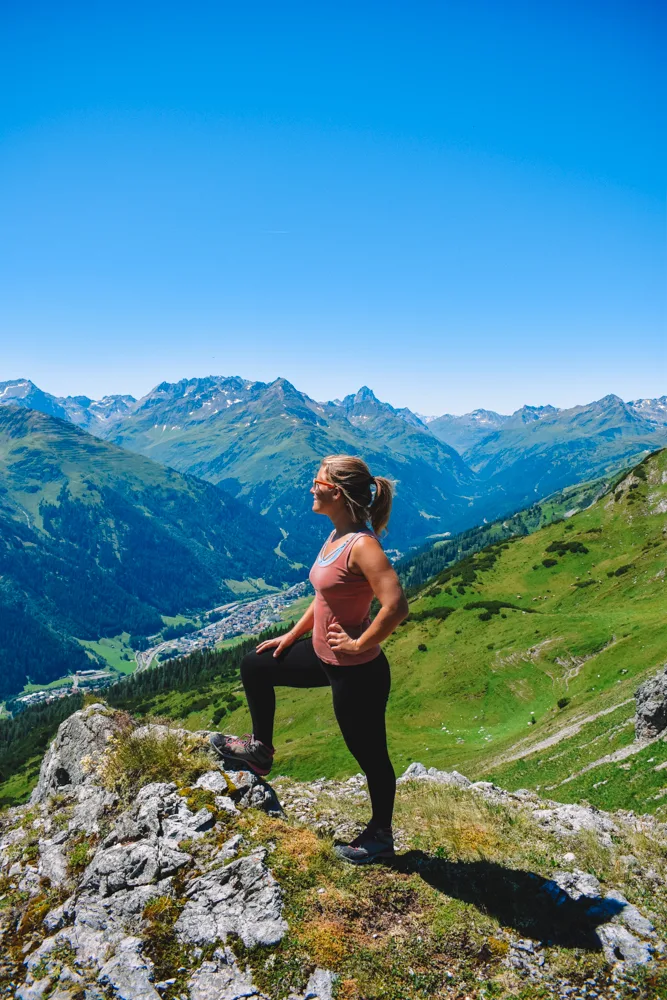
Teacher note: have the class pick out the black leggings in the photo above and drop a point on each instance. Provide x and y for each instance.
(359, 699)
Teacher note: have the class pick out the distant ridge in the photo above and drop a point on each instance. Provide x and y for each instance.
(262, 441)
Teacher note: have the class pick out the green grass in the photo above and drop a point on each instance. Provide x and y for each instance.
(17, 788)
(113, 650)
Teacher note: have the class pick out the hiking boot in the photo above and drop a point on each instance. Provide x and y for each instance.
(244, 750)
(371, 845)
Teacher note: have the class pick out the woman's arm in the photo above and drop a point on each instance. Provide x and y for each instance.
(368, 559)
(304, 624)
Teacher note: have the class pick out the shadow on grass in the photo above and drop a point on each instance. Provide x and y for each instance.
(534, 906)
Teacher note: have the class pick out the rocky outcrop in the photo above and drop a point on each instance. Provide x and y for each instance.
(102, 873)
(82, 738)
(101, 866)
(651, 706)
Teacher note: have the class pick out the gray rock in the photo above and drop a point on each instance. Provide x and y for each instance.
(91, 804)
(121, 867)
(651, 706)
(84, 734)
(213, 781)
(129, 973)
(251, 791)
(229, 849)
(417, 772)
(52, 862)
(242, 898)
(34, 991)
(321, 985)
(630, 916)
(577, 884)
(60, 916)
(30, 881)
(569, 819)
(221, 979)
(620, 946)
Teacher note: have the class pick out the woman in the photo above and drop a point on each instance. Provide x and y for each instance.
(344, 651)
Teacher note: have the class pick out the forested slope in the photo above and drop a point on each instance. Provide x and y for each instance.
(95, 541)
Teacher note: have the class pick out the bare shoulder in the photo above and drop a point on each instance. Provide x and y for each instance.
(367, 553)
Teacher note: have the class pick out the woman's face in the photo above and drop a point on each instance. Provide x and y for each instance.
(323, 496)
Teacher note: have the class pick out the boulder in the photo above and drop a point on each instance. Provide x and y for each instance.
(129, 973)
(566, 820)
(222, 979)
(80, 738)
(651, 706)
(241, 898)
(417, 772)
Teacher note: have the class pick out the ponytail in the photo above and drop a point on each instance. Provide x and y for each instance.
(382, 501)
(353, 478)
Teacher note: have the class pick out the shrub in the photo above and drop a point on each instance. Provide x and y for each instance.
(218, 715)
(422, 647)
(80, 854)
(548, 563)
(561, 547)
(442, 613)
(494, 607)
(563, 702)
(623, 569)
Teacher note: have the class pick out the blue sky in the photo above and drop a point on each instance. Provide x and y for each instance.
(460, 204)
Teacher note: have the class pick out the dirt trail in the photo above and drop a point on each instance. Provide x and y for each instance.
(563, 734)
(612, 758)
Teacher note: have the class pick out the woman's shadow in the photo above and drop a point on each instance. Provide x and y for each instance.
(536, 907)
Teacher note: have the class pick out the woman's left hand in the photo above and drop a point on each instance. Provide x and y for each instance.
(340, 641)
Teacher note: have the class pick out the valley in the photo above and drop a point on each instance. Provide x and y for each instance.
(527, 634)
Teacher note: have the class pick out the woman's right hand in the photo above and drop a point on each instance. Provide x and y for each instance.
(279, 644)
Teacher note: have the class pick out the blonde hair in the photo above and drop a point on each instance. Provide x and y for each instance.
(353, 478)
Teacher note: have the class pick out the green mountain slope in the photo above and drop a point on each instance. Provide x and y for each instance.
(574, 613)
(417, 569)
(95, 540)
(263, 444)
(540, 449)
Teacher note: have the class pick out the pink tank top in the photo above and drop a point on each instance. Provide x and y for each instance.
(343, 597)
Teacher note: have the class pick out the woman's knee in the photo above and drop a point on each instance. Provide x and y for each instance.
(254, 666)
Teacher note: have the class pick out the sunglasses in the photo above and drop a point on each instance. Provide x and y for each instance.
(320, 482)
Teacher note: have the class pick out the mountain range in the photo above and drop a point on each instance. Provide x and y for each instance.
(261, 442)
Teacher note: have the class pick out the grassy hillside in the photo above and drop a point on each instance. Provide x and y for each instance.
(573, 614)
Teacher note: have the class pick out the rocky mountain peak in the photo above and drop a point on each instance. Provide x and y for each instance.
(530, 414)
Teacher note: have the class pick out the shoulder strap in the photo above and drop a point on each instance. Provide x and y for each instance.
(353, 540)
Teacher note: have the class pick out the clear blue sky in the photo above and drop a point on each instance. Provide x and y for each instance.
(460, 203)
